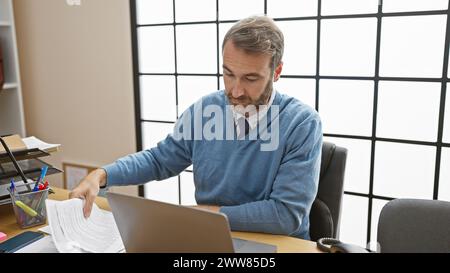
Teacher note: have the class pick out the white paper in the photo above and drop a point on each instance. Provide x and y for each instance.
(72, 233)
(33, 142)
(43, 245)
(46, 229)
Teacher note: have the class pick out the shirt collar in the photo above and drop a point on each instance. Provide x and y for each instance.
(254, 116)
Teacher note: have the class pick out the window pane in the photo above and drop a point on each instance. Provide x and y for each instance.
(446, 136)
(156, 53)
(404, 170)
(412, 46)
(354, 220)
(158, 100)
(347, 47)
(346, 106)
(377, 206)
(190, 11)
(413, 5)
(154, 11)
(302, 89)
(333, 7)
(408, 110)
(444, 177)
(192, 88)
(187, 189)
(165, 191)
(300, 40)
(291, 8)
(153, 132)
(238, 9)
(197, 48)
(357, 169)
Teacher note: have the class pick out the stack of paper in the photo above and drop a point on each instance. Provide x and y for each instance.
(33, 142)
(72, 233)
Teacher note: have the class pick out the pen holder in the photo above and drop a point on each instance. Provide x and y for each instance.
(29, 206)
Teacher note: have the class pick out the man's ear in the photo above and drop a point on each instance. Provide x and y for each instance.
(277, 72)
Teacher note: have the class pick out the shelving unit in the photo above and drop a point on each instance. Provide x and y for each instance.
(11, 105)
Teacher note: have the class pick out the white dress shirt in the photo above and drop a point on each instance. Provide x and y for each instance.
(253, 116)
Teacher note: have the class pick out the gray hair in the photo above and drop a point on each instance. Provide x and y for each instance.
(258, 34)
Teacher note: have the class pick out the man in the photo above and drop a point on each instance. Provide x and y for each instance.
(260, 188)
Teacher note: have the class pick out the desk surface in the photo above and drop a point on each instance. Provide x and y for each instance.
(9, 226)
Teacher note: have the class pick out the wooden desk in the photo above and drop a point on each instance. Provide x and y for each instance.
(9, 226)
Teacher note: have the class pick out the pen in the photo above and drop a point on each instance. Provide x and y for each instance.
(12, 187)
(41, 178)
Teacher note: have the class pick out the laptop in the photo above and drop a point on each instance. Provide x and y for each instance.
(153, 226)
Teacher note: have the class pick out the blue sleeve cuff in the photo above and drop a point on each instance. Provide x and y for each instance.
(113, 175)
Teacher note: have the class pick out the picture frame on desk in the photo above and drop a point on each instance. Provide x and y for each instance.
(74, 173)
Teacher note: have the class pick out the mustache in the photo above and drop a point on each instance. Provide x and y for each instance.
(246, 100)
(240, 99)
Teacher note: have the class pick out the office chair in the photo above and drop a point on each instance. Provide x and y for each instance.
(326, 209)
(414, 225)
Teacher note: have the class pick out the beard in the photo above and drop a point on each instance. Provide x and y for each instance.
(246, 101)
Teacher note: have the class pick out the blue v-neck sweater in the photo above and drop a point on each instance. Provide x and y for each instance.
(259, 191)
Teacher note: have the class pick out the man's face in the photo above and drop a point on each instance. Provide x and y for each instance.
(247, 76)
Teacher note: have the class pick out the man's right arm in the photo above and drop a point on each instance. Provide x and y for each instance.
(169, 158)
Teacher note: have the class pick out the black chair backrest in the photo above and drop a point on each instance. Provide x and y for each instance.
(326, 209)
(414, 225)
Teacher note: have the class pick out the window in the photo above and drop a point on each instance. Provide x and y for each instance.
(412, 46)
(299, 54)
(404, 170)
(156, 49)
(374, 70)
(408, 110)
(158, 98)
(354, 99)
(347, 47)
(335, 7)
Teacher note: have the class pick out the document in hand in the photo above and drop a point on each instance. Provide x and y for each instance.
(72, 233)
